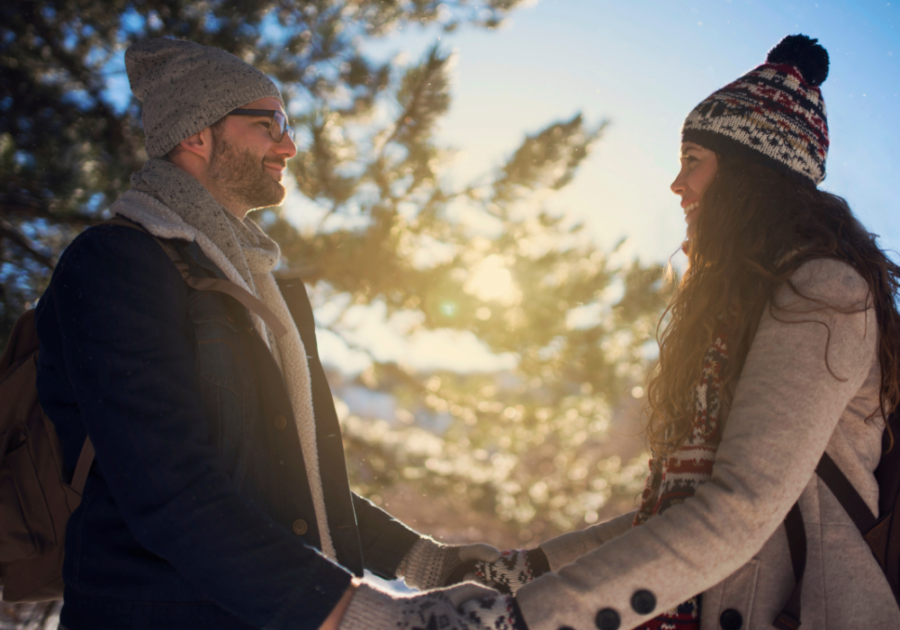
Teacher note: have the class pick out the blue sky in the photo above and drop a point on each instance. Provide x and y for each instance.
(644, 65)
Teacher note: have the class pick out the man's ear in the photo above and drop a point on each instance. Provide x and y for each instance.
(198, 145)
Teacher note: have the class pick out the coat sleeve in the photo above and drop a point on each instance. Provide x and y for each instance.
(566, 548)
(805, 365)
(120, 307)
(385, 540)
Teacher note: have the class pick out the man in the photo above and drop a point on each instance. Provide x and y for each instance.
(219, 495)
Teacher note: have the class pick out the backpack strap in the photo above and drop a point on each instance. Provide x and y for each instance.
(846, 494)
(83, 467)
(250, 301)
(789, 617)
(858, 511)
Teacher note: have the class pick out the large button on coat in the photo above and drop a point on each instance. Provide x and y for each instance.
(608, 619)
(731, 620)
(643, 602)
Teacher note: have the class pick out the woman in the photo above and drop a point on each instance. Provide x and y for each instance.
(780, 344)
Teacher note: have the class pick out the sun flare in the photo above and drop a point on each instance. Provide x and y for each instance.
(492, 281)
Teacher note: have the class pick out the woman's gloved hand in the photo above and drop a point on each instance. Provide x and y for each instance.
(512, 570)
(460, 607)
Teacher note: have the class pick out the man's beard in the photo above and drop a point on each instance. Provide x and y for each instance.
(243, 177)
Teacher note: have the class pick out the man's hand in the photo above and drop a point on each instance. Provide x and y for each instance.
(430, 564)
(461, 607)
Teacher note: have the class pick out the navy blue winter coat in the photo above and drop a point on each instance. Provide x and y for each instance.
(197, 512)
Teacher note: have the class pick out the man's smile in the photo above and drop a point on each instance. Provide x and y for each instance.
(277, 167)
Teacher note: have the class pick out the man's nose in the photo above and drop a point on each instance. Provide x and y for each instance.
(286, 147)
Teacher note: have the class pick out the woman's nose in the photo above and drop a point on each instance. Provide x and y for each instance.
(677, 186)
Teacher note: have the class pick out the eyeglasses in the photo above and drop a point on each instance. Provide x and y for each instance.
(278, 124)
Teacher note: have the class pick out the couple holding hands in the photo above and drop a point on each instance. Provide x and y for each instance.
(219, 495)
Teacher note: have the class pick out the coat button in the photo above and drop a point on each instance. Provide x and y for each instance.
(608, 619)
(643, 602)
(280, 422)
(299, 527)
(731, 620)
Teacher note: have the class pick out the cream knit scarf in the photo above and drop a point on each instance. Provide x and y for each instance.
(170, 203)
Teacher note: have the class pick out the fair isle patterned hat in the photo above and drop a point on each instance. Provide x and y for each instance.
(774, 114)
(185, 87)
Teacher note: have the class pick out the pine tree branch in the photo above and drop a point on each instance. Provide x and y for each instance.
(78, 71)
(33, 209)
(433, 66)
(9, 231)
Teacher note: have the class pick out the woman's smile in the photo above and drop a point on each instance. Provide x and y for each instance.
(698, 169)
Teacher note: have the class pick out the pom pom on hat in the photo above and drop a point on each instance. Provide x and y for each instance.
(805, 54)
(774, 114)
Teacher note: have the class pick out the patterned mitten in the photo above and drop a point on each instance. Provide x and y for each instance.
(513, 570)
(430, 564)
(461, 607)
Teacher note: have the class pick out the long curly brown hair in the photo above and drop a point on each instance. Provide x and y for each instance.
(750, 217)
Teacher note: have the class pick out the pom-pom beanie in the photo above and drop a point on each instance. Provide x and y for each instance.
(185, 87)
(774, 114)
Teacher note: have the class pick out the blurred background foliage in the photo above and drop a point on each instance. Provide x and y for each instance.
(513, 455)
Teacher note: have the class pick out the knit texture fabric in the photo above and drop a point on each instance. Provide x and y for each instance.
(248, 249)
(185, 87)
(774, 114)
(514, 569)
(430, 564)
(463, 607)
(182, 208)
(676, 477)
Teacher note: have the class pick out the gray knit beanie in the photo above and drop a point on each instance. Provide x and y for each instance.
(186, 87)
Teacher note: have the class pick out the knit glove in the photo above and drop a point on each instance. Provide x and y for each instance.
(513, 570)
(518, 567)
(461, 607)
(430, 564)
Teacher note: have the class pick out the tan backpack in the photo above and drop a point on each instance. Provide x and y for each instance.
(36, 498)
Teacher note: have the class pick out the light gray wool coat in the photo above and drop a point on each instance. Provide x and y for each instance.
(728, 540)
